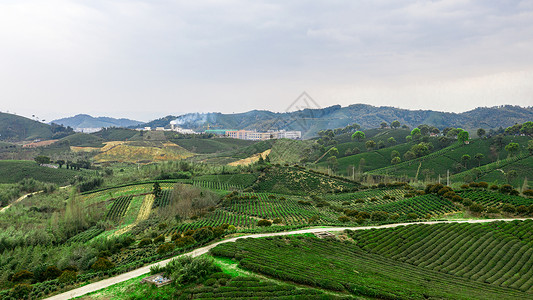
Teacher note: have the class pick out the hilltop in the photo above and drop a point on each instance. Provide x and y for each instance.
(17, 128)
(310, 121)
(82, 121)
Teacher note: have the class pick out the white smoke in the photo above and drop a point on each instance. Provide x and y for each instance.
(191, 119)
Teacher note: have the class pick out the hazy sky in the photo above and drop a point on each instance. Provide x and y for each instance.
(146, 59)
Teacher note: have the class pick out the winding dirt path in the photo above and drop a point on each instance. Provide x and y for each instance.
(197, 252)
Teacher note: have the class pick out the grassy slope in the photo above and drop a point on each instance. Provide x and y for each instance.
(21, 128)
(15, 170)
(83, 140)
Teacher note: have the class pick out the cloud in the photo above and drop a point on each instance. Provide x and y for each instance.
(132, 58)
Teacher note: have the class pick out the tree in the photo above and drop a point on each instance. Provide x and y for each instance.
(479, 157)
(462, 136)
(409, 155)
(332, 162)
(394, 154)
(358, 135)
(384, 125)
(512, 148)
(381, 144)
(527, 128)
(391, 141)
(424, 129)
(60, 163)
(408, 138)
(156, 190)
(395, 160)
(334, 151)
(395, 124)
(465, 158)
(511, 175)
(370, 144)
(415, 133)
(481, 132)
(41, 159)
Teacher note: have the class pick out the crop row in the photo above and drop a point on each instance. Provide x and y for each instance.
(217, 185)
(489, 167)
(291, 210)
(118, 208)
(216, 218)
(341, 266)
(163, 200)
(481, 252)
(86, 235)
(367, 195)
(420, 205)
(496, 199)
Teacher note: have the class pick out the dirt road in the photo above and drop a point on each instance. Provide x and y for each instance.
(138, 272)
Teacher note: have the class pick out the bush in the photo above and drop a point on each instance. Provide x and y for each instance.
(476, 208)
(102, 264)
(522, 209)
(164, 248)
(210, 282)
(21, 291)
(184, 241)
(412, 216)
(264, 223)
(175, 236)
(494, 187)
(467, 202)
(52, 272)
(363, 215)
(22, 275)
(156, 269)
(277, 221)
(186, 269)
(344, 219)
(508, 208)
(351, 212)
(379, 216)
(506, 189)
(394, 216)
(67, 277)
(359, 201)
(231, 228)
(159, 239)
(222, 281)
(493, 210)
(528, 193)
(145, 242)
(203, 234)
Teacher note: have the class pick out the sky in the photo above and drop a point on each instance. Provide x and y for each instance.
(147, 59)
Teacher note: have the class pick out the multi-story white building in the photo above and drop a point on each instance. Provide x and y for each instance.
(261, 136)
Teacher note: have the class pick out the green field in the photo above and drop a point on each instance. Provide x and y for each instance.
(213, 145)
(397, 263)
(15, 170)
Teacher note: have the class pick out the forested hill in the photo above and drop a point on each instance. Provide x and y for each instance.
(87, 121)
(16, 128)
(311, 121)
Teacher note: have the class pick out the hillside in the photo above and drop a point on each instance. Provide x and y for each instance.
(16, 128)
(16, 170)
(310, 121)
(86, 121)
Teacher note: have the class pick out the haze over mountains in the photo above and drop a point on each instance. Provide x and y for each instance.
(309, 121)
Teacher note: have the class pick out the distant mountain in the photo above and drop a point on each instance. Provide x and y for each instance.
(83, 121)
(17, 128)
(310, 121)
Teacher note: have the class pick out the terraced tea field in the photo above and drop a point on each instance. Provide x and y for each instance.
(449, 261)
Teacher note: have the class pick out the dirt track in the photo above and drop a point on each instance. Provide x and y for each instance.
(144, 270)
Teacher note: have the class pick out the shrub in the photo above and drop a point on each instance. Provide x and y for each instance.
(186, 269)
(159, 239)
(231, 228)
(344, 219)
(203, 234)
(189, 232)
(522, 209)
(483, 185)
(412, 216)
(277, 221)
(67, 277)
(506, 189)
(359, 201)
(457, 198)
(313, 219)
(394, 216)
(264, 223)
(493, 210)
(528, 193)
(222, 281)
(175, 236)
(210, 282)
(345, 203)
(494, 187)
(102, 264)
(145, 242)
(379, 216)
(185, 241)
(351, 212)
(164, 248)
(52, 272)
(476, 208)
(22, 275)
(156, 269)
(363, 215)
(467, 202)
(508, 208)
(21, 291)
